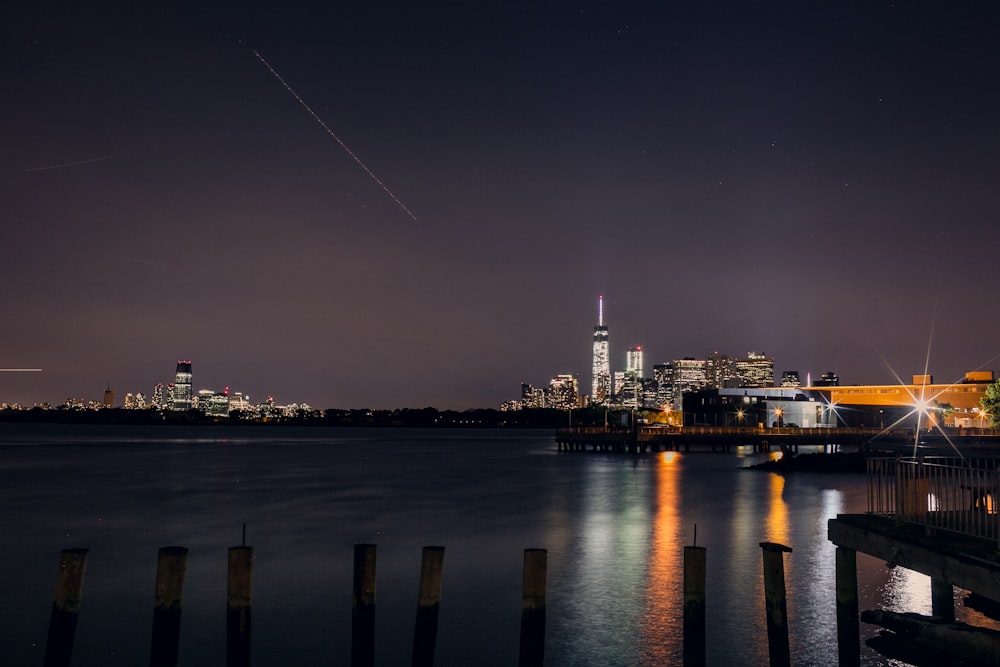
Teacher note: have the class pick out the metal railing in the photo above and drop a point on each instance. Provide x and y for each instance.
(947, 493)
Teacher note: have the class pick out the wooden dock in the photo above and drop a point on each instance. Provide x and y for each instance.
(651, 439)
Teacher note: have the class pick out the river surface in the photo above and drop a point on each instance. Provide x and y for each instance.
(614, 526)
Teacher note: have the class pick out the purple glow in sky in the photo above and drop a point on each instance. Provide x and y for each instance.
(815, 181)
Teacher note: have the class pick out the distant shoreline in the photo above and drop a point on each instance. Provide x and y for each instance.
(405, 417)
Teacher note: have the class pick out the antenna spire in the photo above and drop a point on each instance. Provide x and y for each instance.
(600, 310)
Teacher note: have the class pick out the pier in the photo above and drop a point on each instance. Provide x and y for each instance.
(650, 439)
(933, 515)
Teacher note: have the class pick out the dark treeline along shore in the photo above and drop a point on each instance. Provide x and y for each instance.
(402, 417)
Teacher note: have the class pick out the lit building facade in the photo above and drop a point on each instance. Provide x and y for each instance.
(601, 388)
(790, 379)
(689, 375)
(663, 376)
(633, 361)
(183, 395)
(757, 370)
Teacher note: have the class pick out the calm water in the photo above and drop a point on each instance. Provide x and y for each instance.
(614, 527)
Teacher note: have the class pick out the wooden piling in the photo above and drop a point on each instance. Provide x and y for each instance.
(240, 600)
(428, 606)
(170, 566)
(775, 606)
(942, 600)
(65, 607)
(848, 626)
(532, 647)
(694, 606)
(363, 607)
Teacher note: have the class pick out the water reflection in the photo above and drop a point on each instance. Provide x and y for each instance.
(661, 623)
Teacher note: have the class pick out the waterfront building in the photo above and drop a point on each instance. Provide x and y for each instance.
(182, 387)
(904, 406)
(109, 397)
(601, 388)
(756, 407)
(168, 401)
(757, 370)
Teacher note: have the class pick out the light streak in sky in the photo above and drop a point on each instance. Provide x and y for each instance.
(20, 370)
(335, 137)
(71, 164)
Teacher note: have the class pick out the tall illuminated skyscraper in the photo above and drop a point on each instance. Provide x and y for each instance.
(633, 361)
(601, 387)
(182, 386)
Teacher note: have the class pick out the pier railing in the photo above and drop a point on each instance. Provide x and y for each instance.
(946, 493)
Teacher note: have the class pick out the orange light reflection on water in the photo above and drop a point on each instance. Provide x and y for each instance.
(661, 631)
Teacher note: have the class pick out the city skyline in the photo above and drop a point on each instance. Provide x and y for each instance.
(814, 181)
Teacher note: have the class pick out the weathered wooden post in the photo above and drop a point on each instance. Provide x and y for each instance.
(65, 607)
(428, 605)
(170, 566)
(848, 625)
(942, 600)
(694, 606)
(240, 599)
(775, 606)
(532, 648)
(363, 606)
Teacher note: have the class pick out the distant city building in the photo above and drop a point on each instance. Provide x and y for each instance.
(663, 376)
(689, 375)
(212, 403)
(828, 379)
(757, 370)
(158, 402)
(168, 400)
(790, 379)
(182, 387)
(648, 397)
(601, 388)
(633, 361)
(564, 392)
(720, 371)
(109, 397)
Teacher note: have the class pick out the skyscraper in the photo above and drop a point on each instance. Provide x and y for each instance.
(633, 361)
(182, 386)
(601, 387)
(757, 370)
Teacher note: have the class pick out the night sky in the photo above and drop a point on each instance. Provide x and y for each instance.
(814, 180)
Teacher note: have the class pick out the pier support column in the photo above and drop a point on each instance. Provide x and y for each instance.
(848, 626)
(942, 600)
